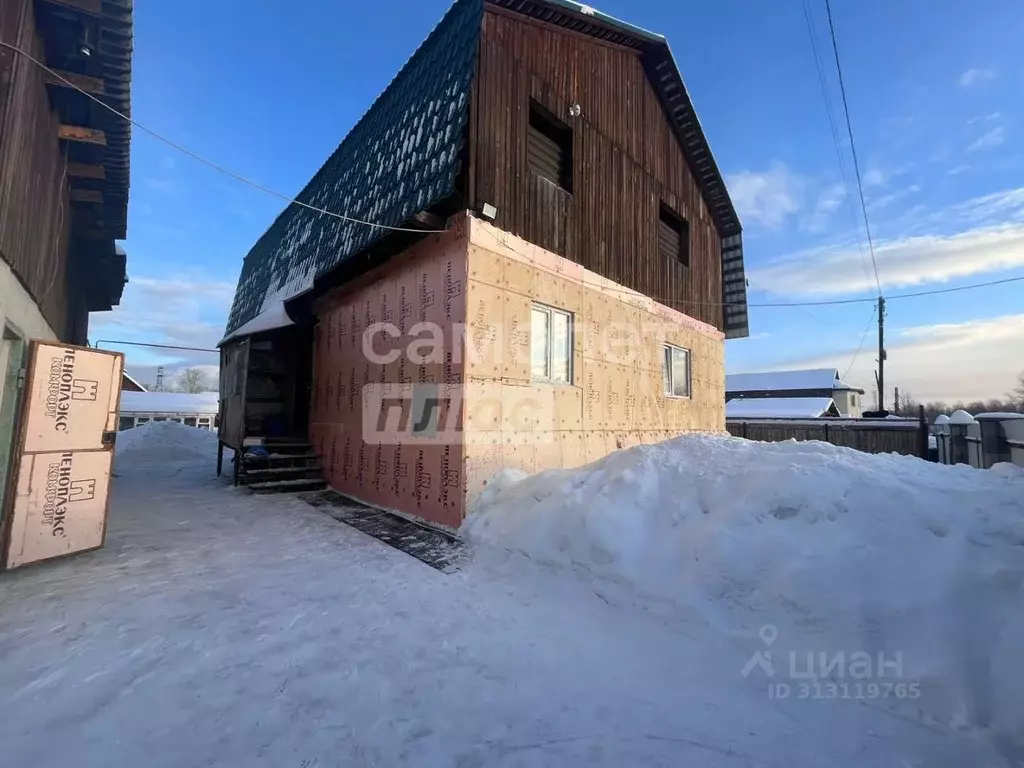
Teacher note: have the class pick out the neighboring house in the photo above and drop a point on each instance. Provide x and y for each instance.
(814, 383)
(63, 178)
(198, 410)
(581, 265)
(130, 384)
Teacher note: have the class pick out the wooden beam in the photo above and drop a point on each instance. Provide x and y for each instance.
(92, 7)
(86, 171)
(81, 133)
(88, 84)
(86, 196)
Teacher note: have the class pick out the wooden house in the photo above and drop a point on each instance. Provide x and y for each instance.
(63, 176)
(562, 267)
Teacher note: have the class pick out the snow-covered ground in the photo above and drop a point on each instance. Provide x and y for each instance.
(604, 616)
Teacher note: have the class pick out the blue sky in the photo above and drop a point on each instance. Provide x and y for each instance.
(269, 89)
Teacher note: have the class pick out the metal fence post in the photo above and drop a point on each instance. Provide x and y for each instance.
(922, 430)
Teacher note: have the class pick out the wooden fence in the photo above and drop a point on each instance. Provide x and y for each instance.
(905, 436)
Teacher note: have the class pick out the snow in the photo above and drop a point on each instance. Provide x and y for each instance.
(961, 418)
(812, 378)
(836, 550)
(169, 402)
(999, 416)
(164, 441)
(778, 407)
(271, 318)
(220, 628)
(941, 419)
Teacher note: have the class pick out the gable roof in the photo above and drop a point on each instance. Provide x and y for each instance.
(781, 381)
(401, 158)
(667, 82)
(781, 408)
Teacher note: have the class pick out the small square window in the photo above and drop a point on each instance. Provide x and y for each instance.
(125, 422)
(550, 344)
(675, 369)
(190, 421)
(549, 147)
(673, 236)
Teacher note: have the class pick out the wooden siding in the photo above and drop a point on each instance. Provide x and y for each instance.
(35, 212)
(626, 162)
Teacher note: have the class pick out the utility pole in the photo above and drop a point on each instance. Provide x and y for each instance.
(881, 353)
(160, 374)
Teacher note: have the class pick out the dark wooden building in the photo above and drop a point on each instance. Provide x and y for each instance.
(553, 125)
(63, 175)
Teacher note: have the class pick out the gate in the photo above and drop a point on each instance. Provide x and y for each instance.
(61, 463)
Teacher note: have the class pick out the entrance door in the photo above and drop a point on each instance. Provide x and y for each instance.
(62, 462)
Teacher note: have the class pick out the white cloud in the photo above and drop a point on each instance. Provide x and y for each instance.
(962, 361)
(767, 197)
(178, 312)
(991, 238)
(874, 177)
(988, 140)
(829, 200)
(958, 169)
(984, 118)
(975, 76)
(892, 197)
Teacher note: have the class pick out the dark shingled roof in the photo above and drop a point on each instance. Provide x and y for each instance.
(398, 160)
(401, 158)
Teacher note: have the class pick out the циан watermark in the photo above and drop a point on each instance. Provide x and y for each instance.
(829, 674)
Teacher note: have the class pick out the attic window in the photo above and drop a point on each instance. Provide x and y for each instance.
(673, 236)
(549, 147)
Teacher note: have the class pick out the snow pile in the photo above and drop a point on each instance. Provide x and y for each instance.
(837, 550)
(158, 440)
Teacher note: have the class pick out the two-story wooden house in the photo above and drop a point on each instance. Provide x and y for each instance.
(558, 267)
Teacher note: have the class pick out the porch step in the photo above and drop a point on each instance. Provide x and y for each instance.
(279, 471)
(289, 486)
(250, 476)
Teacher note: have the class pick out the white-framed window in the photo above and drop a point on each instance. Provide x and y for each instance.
(675, 369)
(550, 344)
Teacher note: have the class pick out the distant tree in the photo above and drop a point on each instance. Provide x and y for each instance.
(905, 404)
(1016, 395)
(193, 380)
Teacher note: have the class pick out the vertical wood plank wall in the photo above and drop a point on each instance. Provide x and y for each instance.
(626, 161)
(35, 212)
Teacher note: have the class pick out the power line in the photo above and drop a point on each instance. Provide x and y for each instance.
(863, 338)
(160, 346)
(853, 146)
(823, 303)
(850, 206)
(210, 163)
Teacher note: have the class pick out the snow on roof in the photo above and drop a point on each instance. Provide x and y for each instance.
(270, 319)
(812, 378)
(778, 407)
(169, 402)
(961, 418)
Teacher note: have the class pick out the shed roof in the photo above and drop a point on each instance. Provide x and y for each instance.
(781, 407)
(402, 158)
(781, 381)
